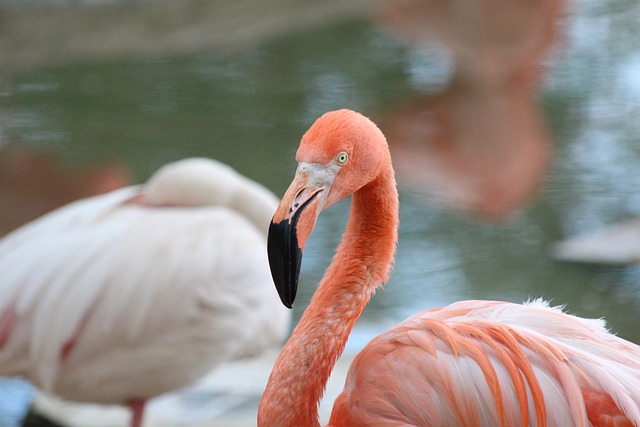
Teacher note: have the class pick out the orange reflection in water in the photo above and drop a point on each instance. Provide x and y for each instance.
(480, 145)
(32, 184)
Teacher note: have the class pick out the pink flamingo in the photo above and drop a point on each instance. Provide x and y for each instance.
(124, 296)
(473, 363)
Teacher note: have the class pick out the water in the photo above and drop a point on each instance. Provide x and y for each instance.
(249, 108)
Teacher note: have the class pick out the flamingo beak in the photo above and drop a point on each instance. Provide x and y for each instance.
(291, 225)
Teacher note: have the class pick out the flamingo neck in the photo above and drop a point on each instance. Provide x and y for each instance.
(361, 264)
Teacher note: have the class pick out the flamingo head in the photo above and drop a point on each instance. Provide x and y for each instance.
(342, 152)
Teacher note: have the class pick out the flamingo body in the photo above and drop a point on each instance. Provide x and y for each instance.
(125, 296)
(473, 363)
(490, 363)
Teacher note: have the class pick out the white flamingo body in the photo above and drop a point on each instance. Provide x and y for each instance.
(143, 290)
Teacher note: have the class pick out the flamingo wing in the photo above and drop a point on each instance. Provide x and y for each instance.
(105, 300)
(479, 363)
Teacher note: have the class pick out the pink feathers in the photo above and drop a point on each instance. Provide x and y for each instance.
(493, 363)
(472, 363)
(8, 320)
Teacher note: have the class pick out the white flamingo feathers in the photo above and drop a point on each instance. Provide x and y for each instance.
(121, 297)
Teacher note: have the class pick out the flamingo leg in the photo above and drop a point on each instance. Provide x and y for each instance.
(137, 411)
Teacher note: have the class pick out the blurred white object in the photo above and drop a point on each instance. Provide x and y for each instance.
(618, 245)
(121, 297)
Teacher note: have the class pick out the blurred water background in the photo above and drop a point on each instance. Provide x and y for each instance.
(244, 93)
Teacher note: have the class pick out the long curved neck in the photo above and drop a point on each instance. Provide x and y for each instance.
(361, 264)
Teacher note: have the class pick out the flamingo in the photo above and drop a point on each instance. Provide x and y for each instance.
(124, 296)
(472, 363)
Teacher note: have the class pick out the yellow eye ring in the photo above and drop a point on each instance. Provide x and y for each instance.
(342, 158)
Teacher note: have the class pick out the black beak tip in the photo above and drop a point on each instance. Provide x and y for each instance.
(285, 257)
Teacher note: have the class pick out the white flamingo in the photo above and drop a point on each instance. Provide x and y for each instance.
(121, 297)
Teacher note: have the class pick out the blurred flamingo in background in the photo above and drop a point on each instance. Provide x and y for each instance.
(480, 144)
(473, 363)
(124, 296)
(499, 43)
(470, 151)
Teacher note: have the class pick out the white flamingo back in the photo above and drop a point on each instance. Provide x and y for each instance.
(142, 290)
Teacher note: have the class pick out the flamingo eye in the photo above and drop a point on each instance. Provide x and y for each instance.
(342, 158)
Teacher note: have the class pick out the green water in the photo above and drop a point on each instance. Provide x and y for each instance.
(250, 108)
